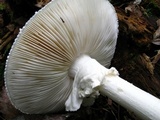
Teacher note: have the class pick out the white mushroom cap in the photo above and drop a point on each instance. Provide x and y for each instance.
(37, 70)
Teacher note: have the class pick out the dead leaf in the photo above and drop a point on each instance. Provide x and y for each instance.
(134, 9)
(41, 3)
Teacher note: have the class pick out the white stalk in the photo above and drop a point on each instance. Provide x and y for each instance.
(143, 104)
(90, 78)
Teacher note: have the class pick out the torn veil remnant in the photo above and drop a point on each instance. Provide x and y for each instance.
(58, 60)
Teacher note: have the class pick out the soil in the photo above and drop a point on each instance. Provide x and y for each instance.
(136, 57)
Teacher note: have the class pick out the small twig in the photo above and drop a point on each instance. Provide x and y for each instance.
(6, 41)
(6, 35)
(10, 38)
(147, 63)
(156, 58)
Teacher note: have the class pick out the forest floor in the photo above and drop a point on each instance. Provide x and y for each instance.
(136, 58)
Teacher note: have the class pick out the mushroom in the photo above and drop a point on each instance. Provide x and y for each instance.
(57, 61)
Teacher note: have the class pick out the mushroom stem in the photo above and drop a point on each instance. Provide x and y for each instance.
(90, 78)
(143, 104)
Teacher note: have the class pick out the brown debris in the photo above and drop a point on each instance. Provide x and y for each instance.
(9, 38)
(146, 61)
(136, 27)
(132, 8)
(11, 27)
